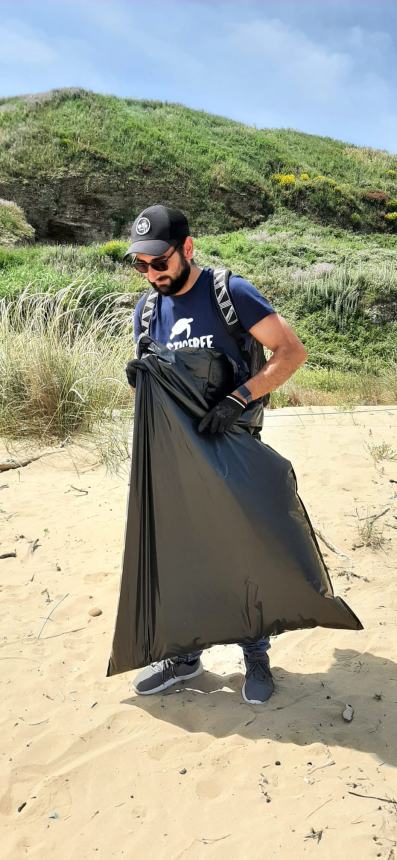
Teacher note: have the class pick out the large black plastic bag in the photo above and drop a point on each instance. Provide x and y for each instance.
(218, 545)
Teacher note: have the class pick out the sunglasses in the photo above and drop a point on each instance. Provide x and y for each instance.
(157, 265)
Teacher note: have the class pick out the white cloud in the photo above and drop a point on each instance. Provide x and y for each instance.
(279, 75)
(156, 39)
(36, 62)
(24, 46)
(312, 69)
(375, 44)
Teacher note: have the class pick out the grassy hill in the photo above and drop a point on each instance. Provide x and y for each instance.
(81, 165)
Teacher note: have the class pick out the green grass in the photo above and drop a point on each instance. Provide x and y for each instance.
(53, 267)
(316, 386)
(332, 312)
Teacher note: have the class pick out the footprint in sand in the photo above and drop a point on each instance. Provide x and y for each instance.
(20, 782)
(97, 577)
(208, 788)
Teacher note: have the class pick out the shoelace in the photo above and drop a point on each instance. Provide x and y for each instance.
(259, 668)
(167, 666)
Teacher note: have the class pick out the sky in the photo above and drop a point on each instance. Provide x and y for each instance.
(325, 67)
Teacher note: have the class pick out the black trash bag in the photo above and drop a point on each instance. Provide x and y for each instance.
(218, 547)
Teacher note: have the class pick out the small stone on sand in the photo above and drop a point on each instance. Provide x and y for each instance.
(348, 713)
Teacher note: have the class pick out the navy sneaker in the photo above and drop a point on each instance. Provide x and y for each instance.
(159, 676)
(258, 685)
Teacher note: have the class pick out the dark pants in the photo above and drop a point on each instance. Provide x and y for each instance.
(250, 649)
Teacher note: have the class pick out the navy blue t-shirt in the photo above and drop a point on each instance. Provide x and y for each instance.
(193, 318)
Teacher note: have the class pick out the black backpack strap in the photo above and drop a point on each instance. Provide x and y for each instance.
(222, 296)
(224, 300)
(147, 310)
(251, 350)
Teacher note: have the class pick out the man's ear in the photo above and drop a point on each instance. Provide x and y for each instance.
(188, 248)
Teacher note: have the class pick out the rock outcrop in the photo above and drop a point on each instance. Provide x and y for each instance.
(14, 228)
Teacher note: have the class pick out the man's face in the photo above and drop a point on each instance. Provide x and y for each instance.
(170, 281)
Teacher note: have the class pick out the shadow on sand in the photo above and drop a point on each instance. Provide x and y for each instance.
(304, 709)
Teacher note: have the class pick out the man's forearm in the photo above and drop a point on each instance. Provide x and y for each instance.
(280, 367)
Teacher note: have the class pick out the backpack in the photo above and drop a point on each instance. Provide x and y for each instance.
(250, 349)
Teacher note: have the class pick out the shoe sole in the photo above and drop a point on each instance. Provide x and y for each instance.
(170, 683)
(254, 701)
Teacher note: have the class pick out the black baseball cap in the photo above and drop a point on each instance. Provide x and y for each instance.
(156, 229)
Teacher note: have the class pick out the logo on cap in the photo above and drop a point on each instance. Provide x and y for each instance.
(143, 226)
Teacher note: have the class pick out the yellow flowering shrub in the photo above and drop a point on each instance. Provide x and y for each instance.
(326, 179)
(304, 177)
(391, 216)
(285, 178)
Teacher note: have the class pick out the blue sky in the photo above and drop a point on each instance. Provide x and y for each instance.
(322, 66)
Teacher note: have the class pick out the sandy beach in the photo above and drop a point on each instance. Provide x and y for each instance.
(88, 769)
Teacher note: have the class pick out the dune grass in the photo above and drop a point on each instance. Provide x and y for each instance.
(62, 360)
(316, 386)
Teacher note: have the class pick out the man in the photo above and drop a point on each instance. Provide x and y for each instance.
(185, 315)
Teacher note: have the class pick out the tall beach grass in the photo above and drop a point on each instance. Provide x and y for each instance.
(62, 360)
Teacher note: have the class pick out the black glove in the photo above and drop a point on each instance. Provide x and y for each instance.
(131, 373)
(222, 416)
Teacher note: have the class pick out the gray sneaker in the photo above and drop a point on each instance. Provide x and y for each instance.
(259, 685)
(159, 676)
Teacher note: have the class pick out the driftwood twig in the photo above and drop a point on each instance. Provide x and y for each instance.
(64, 633)
(322, 766)
(52, 610)
(207, 841)
(330, 545)
(19, 464)
(319, 807)
(375, 797)
(374, 517)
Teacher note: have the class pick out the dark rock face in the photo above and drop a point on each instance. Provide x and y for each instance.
(82, 209)
(74, 209)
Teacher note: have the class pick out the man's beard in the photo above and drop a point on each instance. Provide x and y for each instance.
(176, 283)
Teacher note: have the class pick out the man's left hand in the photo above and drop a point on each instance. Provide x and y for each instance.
(222, 416)
(131, 370)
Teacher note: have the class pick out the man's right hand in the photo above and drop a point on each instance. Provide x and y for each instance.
(131, 373)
